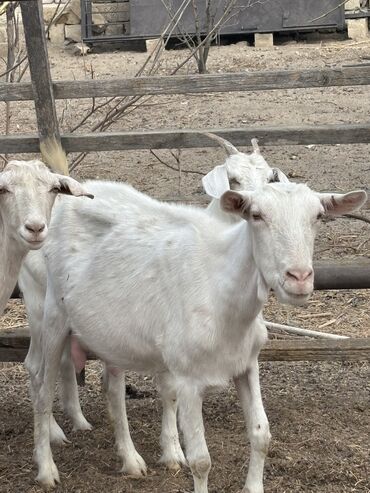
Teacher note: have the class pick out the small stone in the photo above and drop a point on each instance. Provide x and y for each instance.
(81, 49)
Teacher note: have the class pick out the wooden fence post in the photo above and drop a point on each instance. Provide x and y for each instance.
(34, 31)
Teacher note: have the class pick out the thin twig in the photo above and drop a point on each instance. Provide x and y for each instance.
(329, 11)
(357, 216)
(173, 167)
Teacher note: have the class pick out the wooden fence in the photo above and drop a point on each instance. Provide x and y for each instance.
(14, 346)
(43, 91)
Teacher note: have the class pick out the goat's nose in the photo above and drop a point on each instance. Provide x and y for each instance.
(35, 226)
(299, 275)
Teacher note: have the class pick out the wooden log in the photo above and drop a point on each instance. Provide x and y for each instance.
(178, 139)
(47, 123)
(14, 345)
(343, 275)
(190, 84)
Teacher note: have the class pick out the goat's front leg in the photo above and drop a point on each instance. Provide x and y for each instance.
(44, 386)
(248, 387)
(115, 388)
(191, 422)
(34, 304)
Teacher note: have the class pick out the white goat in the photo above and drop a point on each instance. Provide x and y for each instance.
(169, 290)
(240, 172)
(27, 194)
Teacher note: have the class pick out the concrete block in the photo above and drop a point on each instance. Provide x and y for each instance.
(56, 34)
(265, 40)
(73, 33)
(151, 44)
(352, 4)
(358, 29)
(48, 12)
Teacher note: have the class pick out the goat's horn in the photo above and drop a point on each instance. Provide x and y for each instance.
(225, 144)
(255, 145)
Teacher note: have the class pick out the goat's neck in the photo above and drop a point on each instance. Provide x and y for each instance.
(214, 209)
(11, 256)
(240, 286)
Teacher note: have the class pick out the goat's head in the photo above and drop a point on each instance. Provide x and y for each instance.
(240, 171)
(27, 194)
(283, 219)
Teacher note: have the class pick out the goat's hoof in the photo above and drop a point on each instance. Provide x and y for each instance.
(57, 435)
(174, 461)
(172, 466)
(81, 424)
(48, 480)
(135, 467)
(252, 489)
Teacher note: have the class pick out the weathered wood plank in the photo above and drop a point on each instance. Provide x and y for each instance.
(173, 139)
(190, 84)
(317, 350)
(43, 94)
(14, 345)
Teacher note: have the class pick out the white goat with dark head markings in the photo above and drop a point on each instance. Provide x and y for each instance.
(176, 294)
(27, 193)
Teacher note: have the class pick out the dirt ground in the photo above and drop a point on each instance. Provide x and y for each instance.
(319, 412)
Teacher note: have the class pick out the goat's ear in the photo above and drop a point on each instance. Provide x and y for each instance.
(69, 186)
(235, 202)
(3, 188)
(278, 176)
(336, 204)
(216, 182)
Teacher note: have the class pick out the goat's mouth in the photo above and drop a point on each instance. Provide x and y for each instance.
(32, 243)
(291, 298)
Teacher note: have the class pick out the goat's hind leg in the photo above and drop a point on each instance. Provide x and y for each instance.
(172, 454)
(115, 390)
(69, 390)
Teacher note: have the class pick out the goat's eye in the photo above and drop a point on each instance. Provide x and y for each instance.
(257, 217)
(55, 190)
(275, 176)
(319, 216)
(234, 181)
(3, 190)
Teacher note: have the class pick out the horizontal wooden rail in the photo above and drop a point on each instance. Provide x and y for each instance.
(317, 350)
(188, 84)
(14, 345)
(173, 139)
(328, 275)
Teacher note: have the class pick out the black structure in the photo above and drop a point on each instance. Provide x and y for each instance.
(144, 19)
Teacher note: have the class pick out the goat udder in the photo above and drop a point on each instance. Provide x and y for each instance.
(79, 355)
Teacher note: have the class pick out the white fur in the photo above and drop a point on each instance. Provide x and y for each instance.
(27, 194)
(169, 290)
